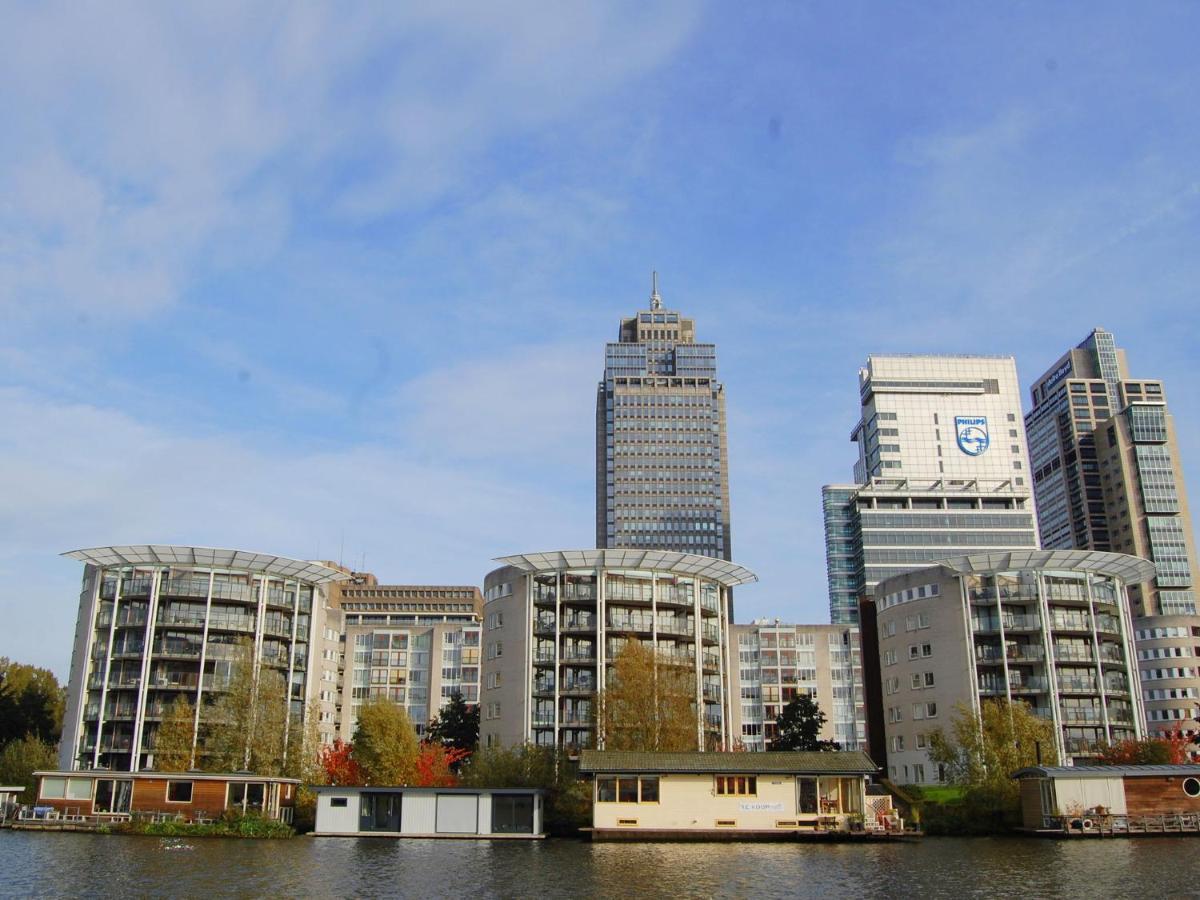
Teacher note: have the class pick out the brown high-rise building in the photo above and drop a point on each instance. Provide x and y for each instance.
(1107, 476)
(662, 472)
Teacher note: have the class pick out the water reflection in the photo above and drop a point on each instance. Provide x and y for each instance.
(91, 865)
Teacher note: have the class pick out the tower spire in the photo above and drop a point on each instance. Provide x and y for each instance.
(655, 299)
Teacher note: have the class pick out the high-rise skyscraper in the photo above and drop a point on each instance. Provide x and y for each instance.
(1106, 470)
(1107, 476)
(942, 471)
(662, 476)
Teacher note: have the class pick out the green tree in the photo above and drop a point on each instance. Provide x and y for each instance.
(385, 744)
(31, 702)
(246, 726)
(174, 749)
(982, 751)
(304, 747)
(456, 725)
(568, 798)
(649, 703)
(800, 723)
(21, 758)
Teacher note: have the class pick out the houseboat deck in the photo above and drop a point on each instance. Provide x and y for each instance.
(1117, 825)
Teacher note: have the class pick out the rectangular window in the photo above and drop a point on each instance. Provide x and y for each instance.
(179, 792)
(649, 789)
(627, 790)
(338, 802)
(737, 785)
(606, 790)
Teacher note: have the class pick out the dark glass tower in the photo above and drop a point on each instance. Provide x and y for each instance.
(662, 476)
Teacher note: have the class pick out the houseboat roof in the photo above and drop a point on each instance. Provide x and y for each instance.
(412, 789)
(1105, 771)
(830, 762)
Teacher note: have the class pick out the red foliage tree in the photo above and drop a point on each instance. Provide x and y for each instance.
(337, 761)
(435, 764)
(1168, 750)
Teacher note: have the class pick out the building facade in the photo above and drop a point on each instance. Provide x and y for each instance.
(554, 622)
(662, 471)
(942, 470)
(1108, 476)
(776, 661)
(157, 622)
(1050, 628)
(415, 645)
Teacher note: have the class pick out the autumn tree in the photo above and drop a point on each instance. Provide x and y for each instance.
(800, 723)
(1151, 751)
(304, 746)
(648, 703)
(982, 751)
(436, 765)
(247, 725)
(338, 764)
(174, 741)
(568, 798)
(456, 725)
(385, 744)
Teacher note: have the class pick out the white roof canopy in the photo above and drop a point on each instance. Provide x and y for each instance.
(208, 557)
(719, 570)
(1130, 569)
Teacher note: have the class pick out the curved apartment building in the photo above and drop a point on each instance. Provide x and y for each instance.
(1051, 628)
(157, 622)
(553, 622)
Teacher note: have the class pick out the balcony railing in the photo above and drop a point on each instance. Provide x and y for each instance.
(578, 686)
(1082, 715)
(1074, 654)
(1078, 686)
(184, 587)
(579, 623)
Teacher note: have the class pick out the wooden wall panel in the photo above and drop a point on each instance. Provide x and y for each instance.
(1158, 794)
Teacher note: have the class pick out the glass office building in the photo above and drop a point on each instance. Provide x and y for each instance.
(662, 474)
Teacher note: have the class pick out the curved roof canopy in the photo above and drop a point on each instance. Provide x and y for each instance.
(719, 570)
(1130, 569)
(246, 560)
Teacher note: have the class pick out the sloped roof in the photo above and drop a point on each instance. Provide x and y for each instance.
(840, 762)
(1105, 771)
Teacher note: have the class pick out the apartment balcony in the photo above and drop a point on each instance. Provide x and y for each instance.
(712, 720)
(676, 658)
(176, 651)
(543, 686)
(543, 658)
(628, 598)
(243, 624)
(1079, 715)
(108, 589)
(1116, 687)
(710, 663)
(124, 683)
(545, 598)
(103, 621)
(137, 588)
(681, 599)
(116, 745)
(630, 624)
(579, 686)
(196, 588)
(575, 719)
(1029, 686)
(1074, 654)
(576, 654)
(1079, 624)
(1025, 653)
(175, 682)
(122, 712)
(180, 619)
(711, 692)
(988, 655)
(228, 591)
(542, 720)
(1077, 686)
(676, 627)
(131, 618)
(709, 608)
(547, 625)
(278, 629)
(580, 624)
(1081, 747)
(129, 651)
(1111, 653)
(1106, 624)
(281, 599)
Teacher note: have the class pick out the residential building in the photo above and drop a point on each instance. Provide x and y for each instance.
(554, 622)
(415, 645)
(722, 796)
(1051, 628)
(1108, 476)
(776, 661)
(662, 471)
(157, 622)
(942, 471)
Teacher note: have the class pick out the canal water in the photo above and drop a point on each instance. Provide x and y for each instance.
(80, 865)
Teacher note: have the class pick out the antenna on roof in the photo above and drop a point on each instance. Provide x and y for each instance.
(655, 299)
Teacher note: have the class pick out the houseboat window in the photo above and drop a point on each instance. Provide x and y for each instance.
(512, 814)
(112, 796)
(808, 795)
(650, 789)
(606, 790)
(54, 788)
(737, 785)
(1191, 787)
(627, 790)
(79, 789)
(247, 795)
(339, 802)
(179, 791)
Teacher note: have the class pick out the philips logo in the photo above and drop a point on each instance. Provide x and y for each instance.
(972, 434)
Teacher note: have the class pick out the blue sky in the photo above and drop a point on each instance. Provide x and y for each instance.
(329, 281)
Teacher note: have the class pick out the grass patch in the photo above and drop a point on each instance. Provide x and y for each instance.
(942, 793)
